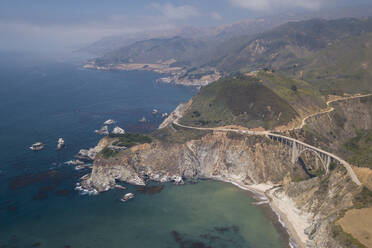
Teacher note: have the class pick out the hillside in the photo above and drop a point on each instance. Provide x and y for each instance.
(291, 43)
(343, 66)
(154, 51)
(266, 100)
(332, 55)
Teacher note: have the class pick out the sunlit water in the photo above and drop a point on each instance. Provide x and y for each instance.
(41, 101)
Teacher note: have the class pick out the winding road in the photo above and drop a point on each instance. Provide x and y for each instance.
(270, 133)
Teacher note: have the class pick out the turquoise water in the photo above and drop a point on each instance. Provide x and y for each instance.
(44, 100)
(206, 214)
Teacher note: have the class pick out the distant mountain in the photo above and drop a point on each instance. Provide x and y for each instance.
(224, 32)
(292, 41)
(197, 43)
(112, 43)
(329, 53)
(154, 51)
(334, 55)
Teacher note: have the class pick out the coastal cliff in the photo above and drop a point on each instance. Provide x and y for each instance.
(223, 156)
(310, 205)
(254, 162)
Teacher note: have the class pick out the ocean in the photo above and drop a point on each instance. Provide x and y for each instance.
(44, 99)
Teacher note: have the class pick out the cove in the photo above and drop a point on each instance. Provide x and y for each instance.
(205, 214)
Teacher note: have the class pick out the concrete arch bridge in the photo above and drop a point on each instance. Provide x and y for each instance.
(299, 147)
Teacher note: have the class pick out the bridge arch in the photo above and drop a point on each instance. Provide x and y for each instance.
(325, 160)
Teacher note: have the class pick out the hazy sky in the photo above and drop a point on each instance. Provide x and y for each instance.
(31, 24)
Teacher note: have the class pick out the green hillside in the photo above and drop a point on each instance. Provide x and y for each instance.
(267, 100)
(301, 95)
(359, 148)
(342, 67)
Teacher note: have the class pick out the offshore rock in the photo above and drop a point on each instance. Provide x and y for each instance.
(118, 130)
(103, 131)
(109, 122)
(60, 143)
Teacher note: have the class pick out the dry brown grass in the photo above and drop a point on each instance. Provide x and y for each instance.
(364, 175)
(358, 222)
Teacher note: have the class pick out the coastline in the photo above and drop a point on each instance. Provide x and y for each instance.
(289, 221)
(291, 226)
(168, 74)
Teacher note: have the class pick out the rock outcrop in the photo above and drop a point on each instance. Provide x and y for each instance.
(246, 160)
(103, 131)
(118, 130)
(90, 154)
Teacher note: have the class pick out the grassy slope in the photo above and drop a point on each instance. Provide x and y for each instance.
(303, 98)
(344, 66)
(124, 140)
(267, 100)
(359, 149)
(177, 135)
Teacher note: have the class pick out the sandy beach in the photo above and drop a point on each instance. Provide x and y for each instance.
(289, 216)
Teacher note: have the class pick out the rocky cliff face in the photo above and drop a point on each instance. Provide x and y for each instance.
(322, 200)
(229, 157)
(245, 160)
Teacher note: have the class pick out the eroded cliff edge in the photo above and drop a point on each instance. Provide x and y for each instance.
(245, 160)
(309, 205)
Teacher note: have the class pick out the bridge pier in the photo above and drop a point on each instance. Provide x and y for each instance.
(294, 152)
(328, 164)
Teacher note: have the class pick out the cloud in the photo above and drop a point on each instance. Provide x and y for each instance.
(32, 36)
(268, 5)
(171, 11)
(215, 16)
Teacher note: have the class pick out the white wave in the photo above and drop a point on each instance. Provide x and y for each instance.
(261, 202)
(83, 191)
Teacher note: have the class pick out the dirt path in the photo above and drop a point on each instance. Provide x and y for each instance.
(330, 109)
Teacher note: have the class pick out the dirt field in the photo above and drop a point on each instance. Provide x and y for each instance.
(358, 222)
(364, 175)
